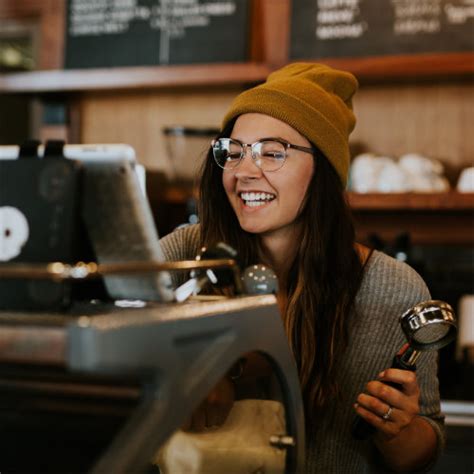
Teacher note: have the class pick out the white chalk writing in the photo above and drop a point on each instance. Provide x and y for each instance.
(458, 14)
(99, 17)
(337, 19)
(412, 18)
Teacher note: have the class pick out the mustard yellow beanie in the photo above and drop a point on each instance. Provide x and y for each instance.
(314, 99)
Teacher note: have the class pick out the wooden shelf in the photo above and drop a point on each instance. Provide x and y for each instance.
(380, 69)
(429, 219)
(435, 202)
(451, 201)
(407, 66)
(134, 77)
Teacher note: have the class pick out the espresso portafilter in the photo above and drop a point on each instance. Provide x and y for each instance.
(428, 326)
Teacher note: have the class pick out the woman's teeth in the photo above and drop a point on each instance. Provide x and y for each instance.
(256, 199)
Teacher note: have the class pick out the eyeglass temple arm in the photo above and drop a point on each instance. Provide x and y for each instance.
(300, 148)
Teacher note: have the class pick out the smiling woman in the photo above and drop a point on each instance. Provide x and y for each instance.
(272, 187)
(245, 185)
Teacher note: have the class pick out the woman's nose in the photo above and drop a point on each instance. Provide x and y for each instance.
(247, 167)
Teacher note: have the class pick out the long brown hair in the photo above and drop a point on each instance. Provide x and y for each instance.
(324, 277)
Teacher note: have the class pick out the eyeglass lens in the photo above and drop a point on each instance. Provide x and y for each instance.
(268, 155)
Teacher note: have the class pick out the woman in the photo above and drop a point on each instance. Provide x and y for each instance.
(273, 188)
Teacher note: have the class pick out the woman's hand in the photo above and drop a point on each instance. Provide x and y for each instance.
(215, 408)
(399, 405)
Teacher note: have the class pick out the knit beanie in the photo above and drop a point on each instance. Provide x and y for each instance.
(314, 99)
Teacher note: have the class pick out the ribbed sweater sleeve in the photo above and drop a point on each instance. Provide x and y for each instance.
(182, 244)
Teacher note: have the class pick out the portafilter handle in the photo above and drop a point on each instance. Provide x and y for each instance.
(404, 360)
(429, 325)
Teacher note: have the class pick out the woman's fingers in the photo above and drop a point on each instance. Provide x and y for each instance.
(385, 393)
(388, 427)
(376, 406)
(403, 393)
(406, 378)
(390, 408)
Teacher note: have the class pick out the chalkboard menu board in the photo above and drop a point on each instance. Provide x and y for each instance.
(108, 33)
(352, 28)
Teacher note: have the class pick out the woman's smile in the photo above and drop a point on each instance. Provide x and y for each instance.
(254, 200)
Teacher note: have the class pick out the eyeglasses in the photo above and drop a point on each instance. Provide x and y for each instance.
(269, 154)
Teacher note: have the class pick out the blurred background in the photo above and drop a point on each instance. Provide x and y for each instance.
(159, 75)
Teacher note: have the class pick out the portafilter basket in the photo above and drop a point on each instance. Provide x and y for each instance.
(429, 325)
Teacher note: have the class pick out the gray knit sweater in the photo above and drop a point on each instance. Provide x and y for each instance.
(388, 289)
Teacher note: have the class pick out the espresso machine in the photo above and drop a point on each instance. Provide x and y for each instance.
(107, 382)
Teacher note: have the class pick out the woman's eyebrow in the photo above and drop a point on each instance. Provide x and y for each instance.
(273, 138)
(263, 139)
